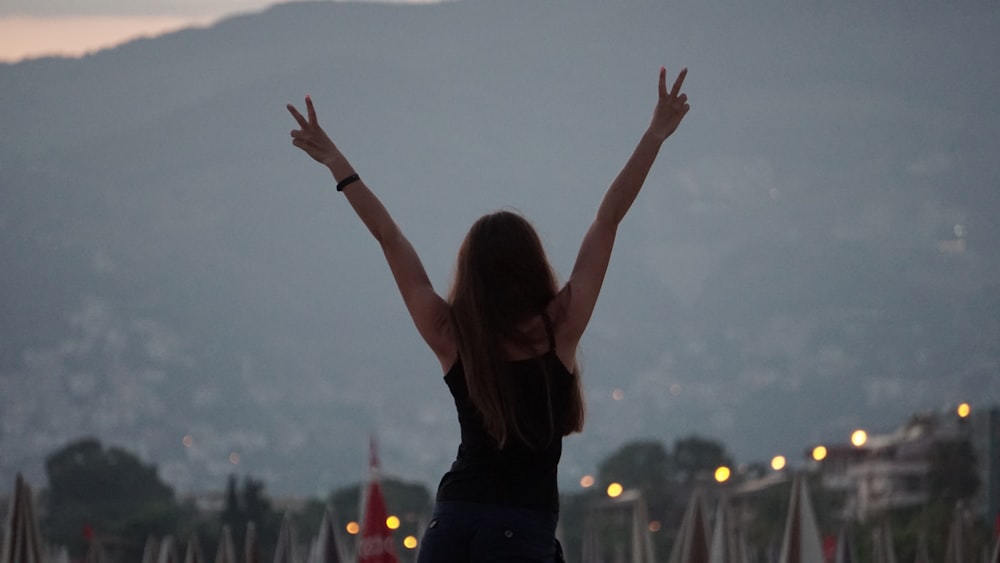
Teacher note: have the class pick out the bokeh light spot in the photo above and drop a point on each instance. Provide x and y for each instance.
(778, 462)
(615, 490)
(859, 438)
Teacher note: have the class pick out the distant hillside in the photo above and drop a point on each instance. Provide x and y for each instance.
(816, 249)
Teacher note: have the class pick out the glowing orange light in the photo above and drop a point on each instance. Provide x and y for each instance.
(778, 462)
(615, 490)
(587, 481)
(617, 394)
(410, 542)
(722, 474)
(392, 522)
(859, 438)
(655, 526)
(819, 453)
(964, 410)
(352, 528)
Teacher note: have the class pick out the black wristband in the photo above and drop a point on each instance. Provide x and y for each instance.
(347, 181)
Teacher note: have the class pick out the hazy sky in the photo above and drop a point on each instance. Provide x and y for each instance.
(33, 28)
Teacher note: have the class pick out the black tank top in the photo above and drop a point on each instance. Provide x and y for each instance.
(520, 474)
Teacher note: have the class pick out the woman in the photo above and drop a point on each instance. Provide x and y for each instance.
(506, 338)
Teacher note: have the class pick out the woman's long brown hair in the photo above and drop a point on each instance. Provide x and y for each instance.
(503, 279)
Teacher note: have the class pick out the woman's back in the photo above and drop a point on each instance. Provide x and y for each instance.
(523, 471)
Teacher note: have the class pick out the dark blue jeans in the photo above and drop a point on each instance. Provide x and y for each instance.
(469, 532)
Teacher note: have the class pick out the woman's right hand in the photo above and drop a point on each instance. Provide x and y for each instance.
(311, 138)
(671, 107)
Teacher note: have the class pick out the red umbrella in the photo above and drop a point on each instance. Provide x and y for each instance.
(376, 544)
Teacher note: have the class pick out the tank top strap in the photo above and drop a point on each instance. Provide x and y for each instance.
(548, 330)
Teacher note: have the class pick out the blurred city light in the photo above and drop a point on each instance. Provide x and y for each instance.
(964, 410)
(778, 462)
(859, 438)
(655, 526)
(617, 394)
(722, 474)
(410, 542)
(587, 481)
(352, 527)
(819, 453)
(392, 522)
(615, 490)
(188, 441)
(234, 458)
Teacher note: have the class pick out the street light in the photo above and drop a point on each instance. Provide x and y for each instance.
(859, 438)
(615, 490)
(778, 462)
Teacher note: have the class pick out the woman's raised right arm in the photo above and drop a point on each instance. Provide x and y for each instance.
(430, 312)
(578, 297)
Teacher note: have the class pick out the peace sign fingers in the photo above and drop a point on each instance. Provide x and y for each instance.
(310, 137)
(671, 107)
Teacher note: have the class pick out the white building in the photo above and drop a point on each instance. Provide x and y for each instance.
(890, 471)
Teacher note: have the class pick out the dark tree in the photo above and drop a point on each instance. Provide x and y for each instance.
(232, 513)
(107, 492)
(250, 504)
(695, 456)
(641, 464)
(952, 475)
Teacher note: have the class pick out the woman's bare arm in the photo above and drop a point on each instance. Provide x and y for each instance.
(578, 297)
(430, 313)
